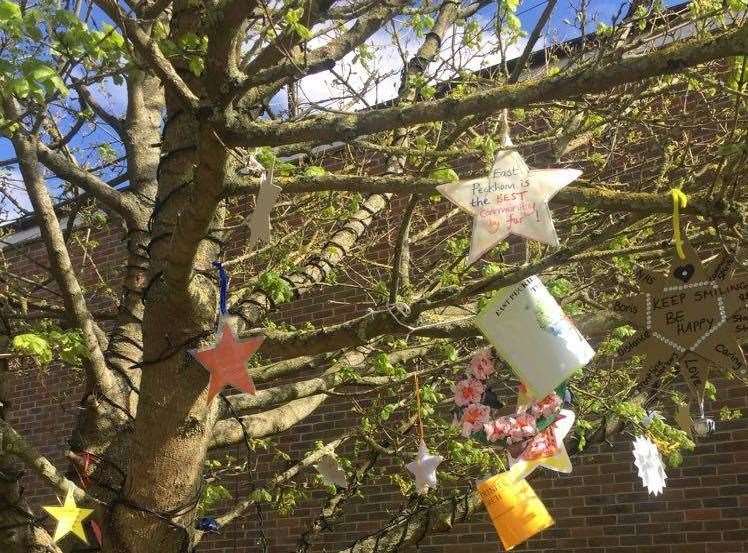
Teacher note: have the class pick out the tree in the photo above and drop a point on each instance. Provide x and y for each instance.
(213, 87)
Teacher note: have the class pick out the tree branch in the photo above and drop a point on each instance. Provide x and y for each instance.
(240, 130)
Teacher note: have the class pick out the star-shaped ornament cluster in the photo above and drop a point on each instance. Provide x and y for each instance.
(546, 449)
(513, 199)
(69, 518)
(690, 317)
(226, 361)
(648, 460)
(424, 468)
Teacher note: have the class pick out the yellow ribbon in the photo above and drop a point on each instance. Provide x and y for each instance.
(680, 200)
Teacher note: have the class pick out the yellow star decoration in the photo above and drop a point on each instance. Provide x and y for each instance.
(69, 518)
(558, 460)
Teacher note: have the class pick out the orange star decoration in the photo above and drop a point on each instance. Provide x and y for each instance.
(227, 361)
(690, 317)
(69, 518)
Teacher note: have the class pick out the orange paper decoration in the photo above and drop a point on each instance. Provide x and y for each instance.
(517, 513)
(227, 361)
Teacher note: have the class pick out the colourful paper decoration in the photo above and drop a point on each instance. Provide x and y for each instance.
(513, 199)
(227, 361)
(69, 518)
(648, 460)
(686, 317)
(424, 468)
(546, 448)
(532, 333)
(259, 221)
(516, 512)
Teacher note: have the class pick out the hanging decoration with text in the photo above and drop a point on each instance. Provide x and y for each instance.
(516, 512)
(513, 199)
(534, 336)
(685, 317)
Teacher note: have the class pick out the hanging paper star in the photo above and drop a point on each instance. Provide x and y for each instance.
(259, 220)
(424, 468)
(684, 318)
(227, 361)
(69, 518)
(331, 472)
(513, 199)
(649, 462)
(546, 448)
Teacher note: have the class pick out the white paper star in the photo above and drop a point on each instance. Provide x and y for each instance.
(513, 199)
(330, 471)
(648, 460)
(259, 220)
(424, 468)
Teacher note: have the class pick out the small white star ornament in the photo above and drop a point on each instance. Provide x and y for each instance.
(424, 468)
(648, 460)
(513, 199)
(330, 471)
(259, 220)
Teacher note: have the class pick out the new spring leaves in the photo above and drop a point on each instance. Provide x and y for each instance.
(513, 199)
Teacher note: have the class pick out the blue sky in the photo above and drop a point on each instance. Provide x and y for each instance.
(529, 11)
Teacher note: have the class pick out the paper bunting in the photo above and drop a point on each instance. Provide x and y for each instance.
(516, 512)
(227, 361)
(513, 199)
(546, 448)
(424, 468)
(686, 317)
(648, 460)
(69, 518)
(331, 472)
(532, 333)
(259, 220)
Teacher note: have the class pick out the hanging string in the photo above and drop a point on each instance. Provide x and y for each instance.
(680, 200)
(418, 407)
(223, 283)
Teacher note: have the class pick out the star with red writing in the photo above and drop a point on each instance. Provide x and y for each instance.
(226, 361)
(513, 199)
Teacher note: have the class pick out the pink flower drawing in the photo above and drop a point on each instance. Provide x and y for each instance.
(474, 417)
(481, 365)
(468, 391)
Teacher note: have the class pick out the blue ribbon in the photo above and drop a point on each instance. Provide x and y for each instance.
(223, 288)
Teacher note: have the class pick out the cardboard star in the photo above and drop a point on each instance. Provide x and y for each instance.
(513, 199)
(648, 460)
(330, 471)
(69, 518)
(424, 468)
(686, 317)
(546, 449)
(259, 220)
(227, 361)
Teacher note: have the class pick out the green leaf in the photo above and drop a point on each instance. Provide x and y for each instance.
(34, 346)
(444, 174)
(314, 171)
(9, 11)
